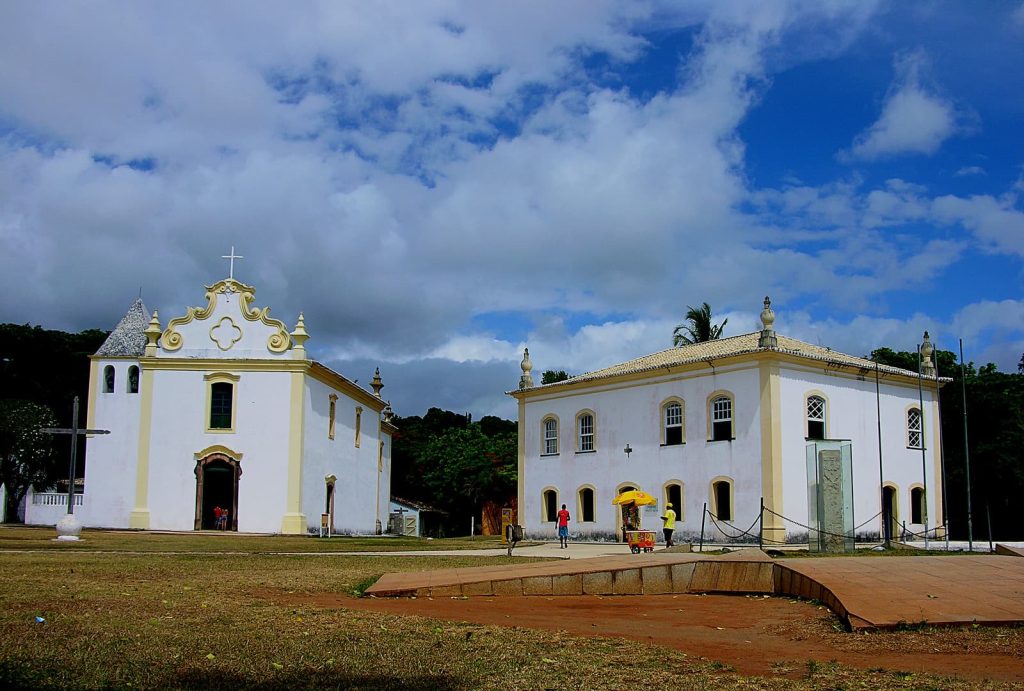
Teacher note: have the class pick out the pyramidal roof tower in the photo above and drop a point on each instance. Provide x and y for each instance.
(128, 339)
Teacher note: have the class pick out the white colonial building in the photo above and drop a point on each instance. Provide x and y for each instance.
(221, 407)
(728, 424)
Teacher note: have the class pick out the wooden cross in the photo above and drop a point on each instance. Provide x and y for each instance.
(74, 431)
(232, 257)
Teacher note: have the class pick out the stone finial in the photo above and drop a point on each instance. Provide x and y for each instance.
(299, 337)
(526, 381)
(927, 366)
(377, 383)
(768, 338)
(388, 413)
(152, 334)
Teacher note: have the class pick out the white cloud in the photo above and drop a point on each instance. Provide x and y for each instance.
(914, 119)
(970, 170)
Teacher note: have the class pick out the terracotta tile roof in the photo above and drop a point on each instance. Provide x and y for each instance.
(725, 348)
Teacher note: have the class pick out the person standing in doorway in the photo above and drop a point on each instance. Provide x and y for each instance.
(563, 528)
(670, 524)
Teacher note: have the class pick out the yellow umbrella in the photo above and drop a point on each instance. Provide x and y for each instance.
(636, 497)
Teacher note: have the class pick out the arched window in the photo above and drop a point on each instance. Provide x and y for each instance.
(585, 512)
(133, 379)
(549, 505)
(721, 499)
(914, 428)
(585, 432)
(550, 429)
(674, 496)
(108, 379)
(332, 411)
(721, 418)
(917, 507)
(815, 417)
(672, 418)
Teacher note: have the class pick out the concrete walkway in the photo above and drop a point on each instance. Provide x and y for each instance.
(866, 592)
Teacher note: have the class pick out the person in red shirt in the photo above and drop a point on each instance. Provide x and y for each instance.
(563, 528)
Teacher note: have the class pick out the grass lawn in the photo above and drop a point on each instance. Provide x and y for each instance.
(212, 611)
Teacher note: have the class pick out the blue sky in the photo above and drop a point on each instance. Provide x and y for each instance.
(438, 185)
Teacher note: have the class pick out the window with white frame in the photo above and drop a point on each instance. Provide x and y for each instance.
(673, 412)
(815, 417)
(721, 418)
(914, 428)
(585, 432)
(550, 436)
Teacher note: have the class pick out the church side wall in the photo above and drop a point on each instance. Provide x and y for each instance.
(355, 501)
(632, 414)
(110, 459)
(851, 414)
(261, 410)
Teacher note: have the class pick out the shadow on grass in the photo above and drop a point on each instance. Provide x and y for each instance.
(13, 676)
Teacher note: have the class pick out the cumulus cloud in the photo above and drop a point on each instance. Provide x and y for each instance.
(915, 119)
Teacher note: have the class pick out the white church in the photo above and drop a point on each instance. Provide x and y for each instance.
(821, 437)
(221, 407)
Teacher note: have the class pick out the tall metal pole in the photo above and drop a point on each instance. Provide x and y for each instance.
(942, 452)
(74, 456)
(924, 461)
(967, 451)
(886, 521)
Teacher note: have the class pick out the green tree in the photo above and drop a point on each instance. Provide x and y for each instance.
(551, 376)
(466, 470)
(27, 458)
(698, 327)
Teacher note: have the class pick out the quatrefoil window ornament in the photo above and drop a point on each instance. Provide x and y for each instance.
(226, 333)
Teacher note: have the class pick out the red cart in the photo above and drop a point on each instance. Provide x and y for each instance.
(640, 541)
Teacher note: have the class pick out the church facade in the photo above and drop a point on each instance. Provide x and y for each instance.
(823, 439)
(221, 408)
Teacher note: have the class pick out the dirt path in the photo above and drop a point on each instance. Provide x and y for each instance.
(756, 635)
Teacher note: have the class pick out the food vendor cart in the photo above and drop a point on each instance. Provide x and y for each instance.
(639, 540)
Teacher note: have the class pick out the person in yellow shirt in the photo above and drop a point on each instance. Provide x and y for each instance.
(670, 524)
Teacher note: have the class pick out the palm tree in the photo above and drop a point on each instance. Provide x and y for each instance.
(699, 329)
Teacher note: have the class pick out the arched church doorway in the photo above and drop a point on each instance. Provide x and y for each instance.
(620, 525)
(890, 510)
(217, 486)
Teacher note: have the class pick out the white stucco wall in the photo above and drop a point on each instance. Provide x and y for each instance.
(356, 505)
(632, 414)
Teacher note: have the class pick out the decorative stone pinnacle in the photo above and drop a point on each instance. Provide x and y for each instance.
(152, 334)
(768, 338)
(927, 366)
(300, 335)
(388, 413)
(526, 381)
(377, 383)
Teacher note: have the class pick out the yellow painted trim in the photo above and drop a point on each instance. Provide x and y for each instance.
(279, 341)
(233, 365)
(231, 325)
(218, 448)
(576, 430)
(828, 408)
(895, 518)
(558, 435)
(681, 509)
(713, 504)
(294, 521)
(521, 464)
(326, 375)
(332, 413)
(661, 417)
(741, 361)
(910, 502)
(221, 378)
(579, 503)
(940, 519)
(720, 393)
(543, 504)
(90, 414)
(139, 517)
(359, 424)
(771, 447)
